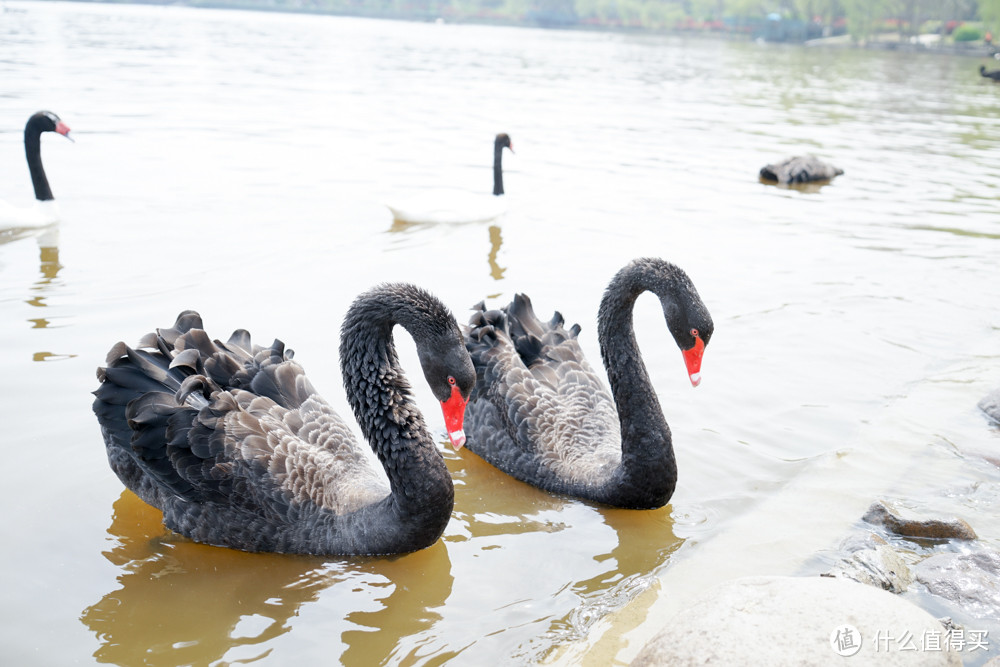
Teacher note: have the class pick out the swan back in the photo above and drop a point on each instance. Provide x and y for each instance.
(534, 375)
(224, 422)
(232, 442)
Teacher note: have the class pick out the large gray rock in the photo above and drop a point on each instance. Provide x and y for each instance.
(798, 622)
(991, 404)
(863, 540)
(881, 567)
(906, 524)
(971, 581)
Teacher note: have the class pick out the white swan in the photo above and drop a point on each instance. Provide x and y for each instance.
(45, 211)
(456, 206)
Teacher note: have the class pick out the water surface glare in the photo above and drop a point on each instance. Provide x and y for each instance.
(237, 163)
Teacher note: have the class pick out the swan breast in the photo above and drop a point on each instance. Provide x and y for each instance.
(40, 214)
(448, 206)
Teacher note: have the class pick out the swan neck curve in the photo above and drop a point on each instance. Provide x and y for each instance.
(380, 396)
(648, 460)
(643, 426)
(33, 153)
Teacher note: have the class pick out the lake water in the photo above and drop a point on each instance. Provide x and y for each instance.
(237, 163)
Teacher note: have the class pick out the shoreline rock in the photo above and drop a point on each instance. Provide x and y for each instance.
(906, 524)
(796, 621)
(969, 580)
(990, 404)
(880, 567)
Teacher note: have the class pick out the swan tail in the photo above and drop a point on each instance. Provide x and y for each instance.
(533, 340)
(523, 321)
(145, 412)
(279, 378)
(161, 448)
(239, 364)
(165, 407)
(185, 322)
(537, 341)
(485, 328)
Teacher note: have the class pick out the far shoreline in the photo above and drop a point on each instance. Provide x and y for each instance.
(881, 42)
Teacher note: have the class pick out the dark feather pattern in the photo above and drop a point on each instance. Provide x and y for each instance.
(234, 445)
(540, 413)
(799, 169)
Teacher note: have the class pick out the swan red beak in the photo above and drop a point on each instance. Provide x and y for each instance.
(63, 129)
(454, 416)
(692, 359)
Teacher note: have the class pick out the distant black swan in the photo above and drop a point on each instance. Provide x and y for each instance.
(233, 444)
(540, 413)
(45, 211)
(800, 169)
(995, 74)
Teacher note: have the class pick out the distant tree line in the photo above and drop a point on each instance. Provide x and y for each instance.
(862, 19)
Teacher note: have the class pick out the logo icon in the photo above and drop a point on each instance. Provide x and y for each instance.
(845, 640)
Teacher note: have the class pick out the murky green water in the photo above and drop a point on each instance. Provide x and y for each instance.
(237, 163)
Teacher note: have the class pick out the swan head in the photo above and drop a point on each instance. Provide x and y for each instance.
(451, 376)
(691, 326)
(46, 121)
(503, 141)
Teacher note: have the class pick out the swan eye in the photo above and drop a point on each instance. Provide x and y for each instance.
(694, 332)
(451, 380)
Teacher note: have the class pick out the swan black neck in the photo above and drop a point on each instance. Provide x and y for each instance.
(379, 394)
(639, 411)
(502, 141)
(648, 459)
(37, 124)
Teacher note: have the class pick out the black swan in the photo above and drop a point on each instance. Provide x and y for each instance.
(457, 206)
(233, 444)
(800, 169)
(540, 413)
(994, 74)
(45, 210)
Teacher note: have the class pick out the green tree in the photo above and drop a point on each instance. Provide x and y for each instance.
(863, 16)
(824, 10)
(989, 12)
(705, 9)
